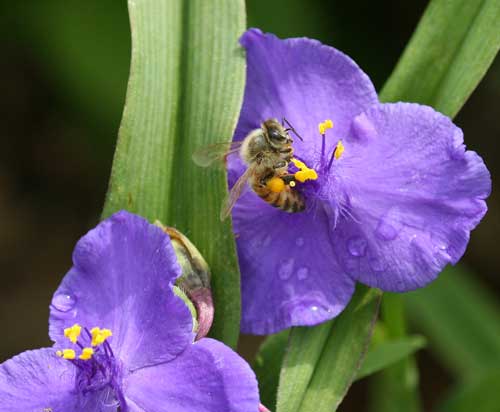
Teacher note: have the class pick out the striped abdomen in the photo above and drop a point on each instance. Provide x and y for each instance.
(289, 200)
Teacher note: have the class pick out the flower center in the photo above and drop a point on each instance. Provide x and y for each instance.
(304, 173)
(98, 369)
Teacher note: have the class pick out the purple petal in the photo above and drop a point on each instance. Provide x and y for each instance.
(414, 196)
(37, 380)
(207, 377)
(290, 276)
(122, 280)
(304, 81)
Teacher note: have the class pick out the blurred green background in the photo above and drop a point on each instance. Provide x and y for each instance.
(63, 76)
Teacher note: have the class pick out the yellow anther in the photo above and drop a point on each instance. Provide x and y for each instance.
(339, 150)
(304, 173)
(66, 353)
(86, 353)
(275, 184)
(99, 336)
(324, 126)
(73, 332)
(292, 184)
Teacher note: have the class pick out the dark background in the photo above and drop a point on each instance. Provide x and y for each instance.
(63, 77)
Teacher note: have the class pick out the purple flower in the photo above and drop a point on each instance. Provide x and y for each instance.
(124, 340)
(395, 198)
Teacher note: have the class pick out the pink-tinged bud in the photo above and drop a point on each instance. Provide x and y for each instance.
(262, 408)
(195, 279)
(202, 301)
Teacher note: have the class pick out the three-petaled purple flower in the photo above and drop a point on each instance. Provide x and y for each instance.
(124, 339)
(395, 198)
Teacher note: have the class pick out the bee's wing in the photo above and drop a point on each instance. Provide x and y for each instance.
(235, 192)
(207, 155)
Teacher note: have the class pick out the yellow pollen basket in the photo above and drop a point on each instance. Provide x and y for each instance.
(305, 173)
(86, 353)
(339, 150)
(324, 126)
(99, 335)
(276, 184)
(73, 332)
(66, 353)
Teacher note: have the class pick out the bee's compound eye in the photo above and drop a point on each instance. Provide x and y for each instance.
(274, 134)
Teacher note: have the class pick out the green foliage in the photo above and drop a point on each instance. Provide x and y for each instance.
(449, 53)
(461, 320)
(179, 98)
(387, 353)
(480, 395)
(322, 362)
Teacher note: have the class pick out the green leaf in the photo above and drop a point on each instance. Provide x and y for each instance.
(322, 362)
(271, 353)
(400, 379)
(185, 91)
(480, 395)
(449, 53)
(461, 320)
(267, 366)
(387, 353)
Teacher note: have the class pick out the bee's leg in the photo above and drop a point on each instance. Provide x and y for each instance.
(288, 179)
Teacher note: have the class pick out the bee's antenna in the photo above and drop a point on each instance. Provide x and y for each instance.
(290, 127)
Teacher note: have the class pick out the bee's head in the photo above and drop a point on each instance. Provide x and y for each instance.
(276, 133)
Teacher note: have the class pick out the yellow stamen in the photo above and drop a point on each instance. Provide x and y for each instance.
(324, 126)
(66, 353)
(304, 173)
(99, 335)
(86, 353)
(73, 332)
(276, 184)
(339, 150)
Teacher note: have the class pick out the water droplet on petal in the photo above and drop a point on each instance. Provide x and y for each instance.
(63, 302)
(285, 269)
(389, 225)
(302, 273)
(356, 246)
(299, 241)
(314, 308)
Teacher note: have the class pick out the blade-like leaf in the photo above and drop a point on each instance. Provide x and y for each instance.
(185, 91)
(461, 320)
(304, 351)
(322, 362)
(267, 366)
(387, 353)
(449, 53)
(213, 76)
(271, 353)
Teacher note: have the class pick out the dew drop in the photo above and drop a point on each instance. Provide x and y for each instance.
(299, 241)
(389, 225)
(286, 269)
(314, 308)
(302, 273)
(356, 246)
(63, 302)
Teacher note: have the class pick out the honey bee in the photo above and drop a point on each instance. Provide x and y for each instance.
(266, 151)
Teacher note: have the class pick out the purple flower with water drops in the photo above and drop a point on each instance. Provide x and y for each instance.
(394, 201)
(123, 339)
